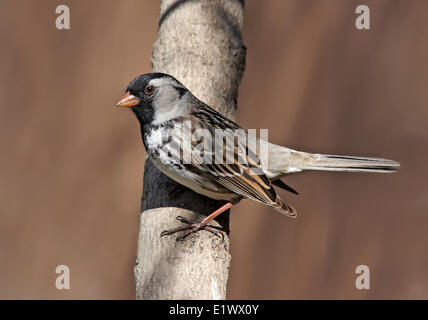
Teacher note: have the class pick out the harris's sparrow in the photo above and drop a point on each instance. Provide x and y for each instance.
(201, 149)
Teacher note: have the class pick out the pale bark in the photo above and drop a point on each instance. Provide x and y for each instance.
(200, 43)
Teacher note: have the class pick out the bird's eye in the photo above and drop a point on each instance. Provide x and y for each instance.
(149, 90)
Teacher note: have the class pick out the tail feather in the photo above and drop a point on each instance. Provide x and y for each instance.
(327, 162)
(283, 161)
(281, 184)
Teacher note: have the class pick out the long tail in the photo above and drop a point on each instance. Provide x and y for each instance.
(328, 162)
(284, 161)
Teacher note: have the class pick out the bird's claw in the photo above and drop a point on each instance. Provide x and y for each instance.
(193, 227)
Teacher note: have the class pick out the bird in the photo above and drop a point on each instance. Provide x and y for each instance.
(179, 133)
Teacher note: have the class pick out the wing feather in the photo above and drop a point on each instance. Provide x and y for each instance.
(239, 171)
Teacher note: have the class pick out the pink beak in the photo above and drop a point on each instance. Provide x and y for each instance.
(128, 100)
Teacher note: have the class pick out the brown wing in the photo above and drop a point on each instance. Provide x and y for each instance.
(234, 165)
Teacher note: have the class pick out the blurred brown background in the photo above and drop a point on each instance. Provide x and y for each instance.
(71, 163)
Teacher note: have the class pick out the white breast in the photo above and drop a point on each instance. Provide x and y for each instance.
(166, 157)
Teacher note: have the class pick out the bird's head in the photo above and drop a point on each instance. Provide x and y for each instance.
(156, 98)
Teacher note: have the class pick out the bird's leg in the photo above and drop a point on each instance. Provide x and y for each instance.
(192, 227)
